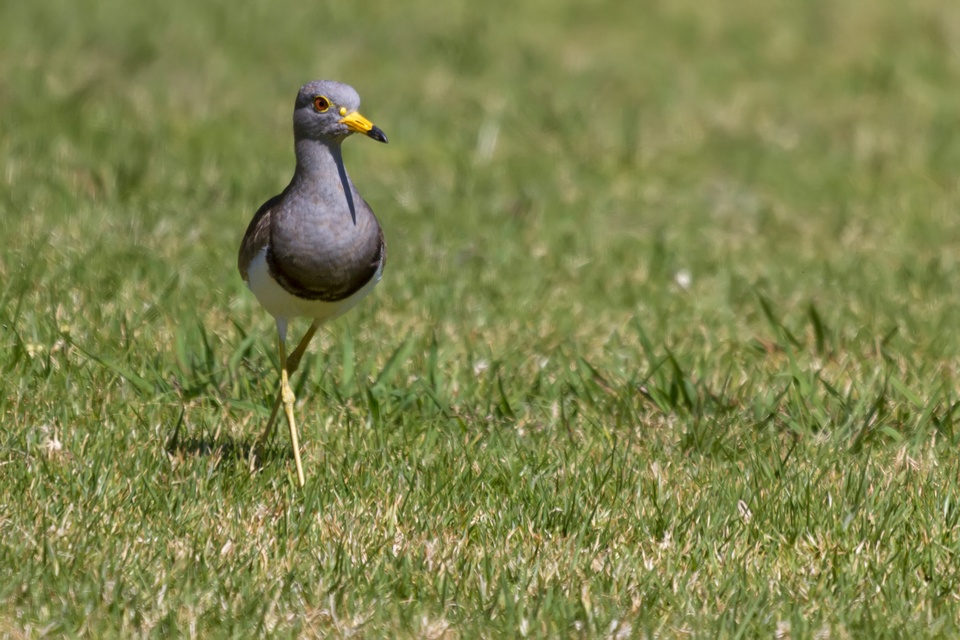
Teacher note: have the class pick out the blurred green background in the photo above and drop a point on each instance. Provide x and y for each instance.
(666, 343)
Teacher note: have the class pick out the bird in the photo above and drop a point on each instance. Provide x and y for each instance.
(315, 249)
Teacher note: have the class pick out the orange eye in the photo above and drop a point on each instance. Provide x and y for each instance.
(321, 104)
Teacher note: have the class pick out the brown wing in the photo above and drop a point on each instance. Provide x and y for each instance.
(257, 235)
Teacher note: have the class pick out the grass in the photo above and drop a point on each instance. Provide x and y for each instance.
(666, 345)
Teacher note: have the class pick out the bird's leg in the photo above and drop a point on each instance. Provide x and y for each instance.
(286, 394)
(293, 361)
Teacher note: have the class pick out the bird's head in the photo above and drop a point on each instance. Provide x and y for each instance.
(327, 110)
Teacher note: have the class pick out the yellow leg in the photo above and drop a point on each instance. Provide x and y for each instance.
(292, 363)
(286, 393)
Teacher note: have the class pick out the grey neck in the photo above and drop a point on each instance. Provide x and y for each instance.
(319, 167)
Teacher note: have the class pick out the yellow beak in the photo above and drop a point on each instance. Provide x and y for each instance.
(356, 122)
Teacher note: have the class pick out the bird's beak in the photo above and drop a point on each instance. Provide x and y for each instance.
(356, 122)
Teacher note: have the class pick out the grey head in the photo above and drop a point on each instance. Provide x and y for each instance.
(327, 111)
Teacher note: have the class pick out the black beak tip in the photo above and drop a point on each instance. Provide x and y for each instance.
(377, 134)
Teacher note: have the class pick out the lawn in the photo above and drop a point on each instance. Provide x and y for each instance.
(667, 344)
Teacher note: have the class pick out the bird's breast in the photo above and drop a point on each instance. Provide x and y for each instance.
(325, 255)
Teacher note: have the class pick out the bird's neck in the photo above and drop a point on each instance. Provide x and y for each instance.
(320, 174)
(318, 160)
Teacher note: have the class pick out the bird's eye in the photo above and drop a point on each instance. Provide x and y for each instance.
(321, 104)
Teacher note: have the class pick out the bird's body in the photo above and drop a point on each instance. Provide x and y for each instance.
(310, 251)
(316, 249)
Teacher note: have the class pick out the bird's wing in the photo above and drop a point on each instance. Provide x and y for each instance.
(257, 235)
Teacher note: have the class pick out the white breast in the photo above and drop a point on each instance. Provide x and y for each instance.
(283, 305)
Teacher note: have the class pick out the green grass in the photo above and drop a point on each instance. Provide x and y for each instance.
(667, 344)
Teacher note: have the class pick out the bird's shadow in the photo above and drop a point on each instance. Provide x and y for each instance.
(224, 447)
(227, 447)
